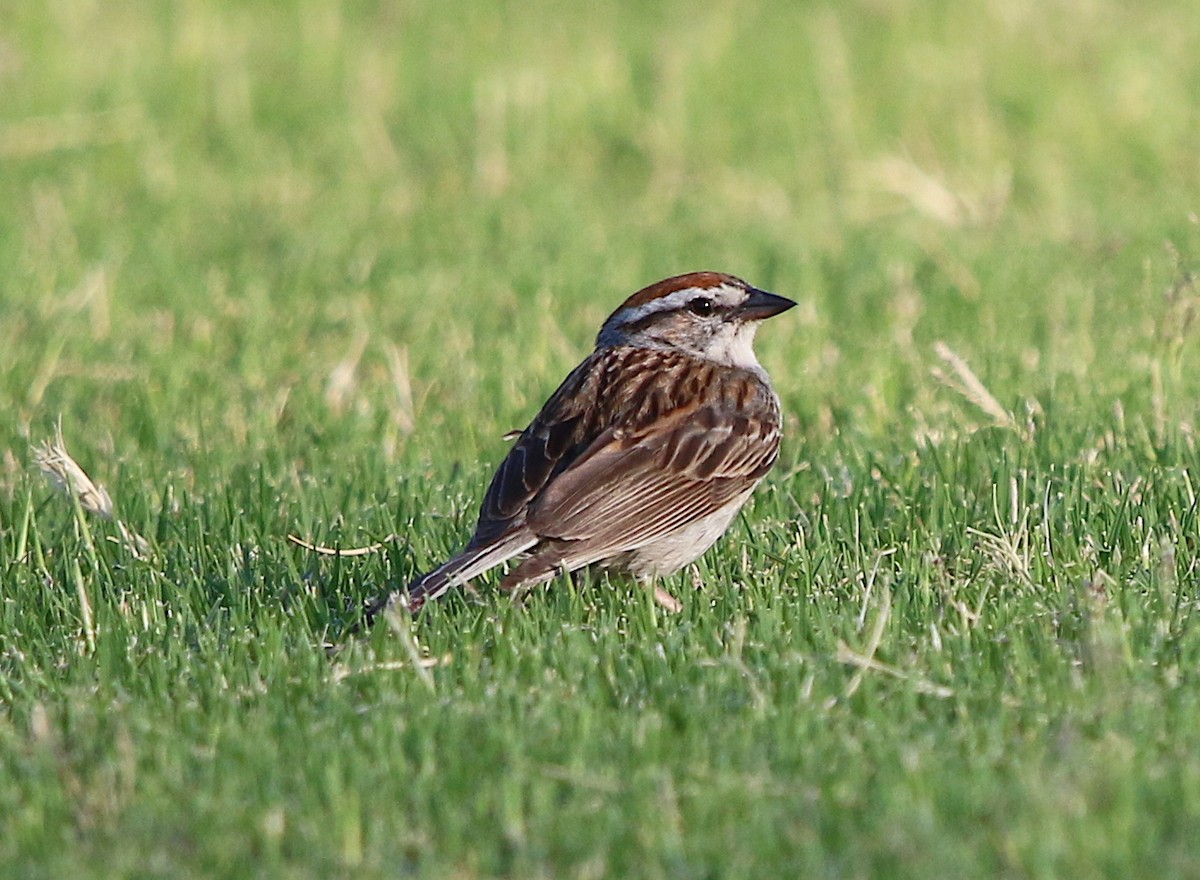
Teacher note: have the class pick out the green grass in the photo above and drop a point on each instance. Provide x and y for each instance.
(939, 643)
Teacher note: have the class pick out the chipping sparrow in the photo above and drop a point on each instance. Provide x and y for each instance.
(643, 456)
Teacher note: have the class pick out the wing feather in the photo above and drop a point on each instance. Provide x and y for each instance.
(628, 491)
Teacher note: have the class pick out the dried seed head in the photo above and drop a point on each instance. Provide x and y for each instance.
(68, 477)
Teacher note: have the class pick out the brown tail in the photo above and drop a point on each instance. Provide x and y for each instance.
(471, 562)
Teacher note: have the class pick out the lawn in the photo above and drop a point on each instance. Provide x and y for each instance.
(294, 269)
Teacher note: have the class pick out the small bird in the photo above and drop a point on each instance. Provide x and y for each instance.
(645, 453)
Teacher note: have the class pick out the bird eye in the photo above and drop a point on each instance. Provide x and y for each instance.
(702, 306)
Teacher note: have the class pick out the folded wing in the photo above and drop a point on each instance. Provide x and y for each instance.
(629, 490)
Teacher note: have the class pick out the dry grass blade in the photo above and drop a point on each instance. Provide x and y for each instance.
(966, 383)
(865, 661)
(342, 672)
(924, 191)
(339, 551)
(401, 625)
(39, 135)
(403, 411)
(846, 655)
(64, 472)
(343, 378)
(53, 459)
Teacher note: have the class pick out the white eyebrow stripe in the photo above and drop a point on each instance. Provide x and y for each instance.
(675, 300)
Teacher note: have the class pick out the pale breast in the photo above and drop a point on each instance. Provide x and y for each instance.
(672, 552)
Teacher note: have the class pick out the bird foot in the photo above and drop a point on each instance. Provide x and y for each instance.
(667, 601)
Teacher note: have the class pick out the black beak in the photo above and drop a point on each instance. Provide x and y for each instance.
(762, 305)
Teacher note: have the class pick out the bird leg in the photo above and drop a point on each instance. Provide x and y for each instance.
(666, 600)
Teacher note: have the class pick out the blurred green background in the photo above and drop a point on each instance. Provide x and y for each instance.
(296, 267)
(212, 206)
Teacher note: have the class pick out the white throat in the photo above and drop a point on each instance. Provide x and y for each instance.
(735, 348)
